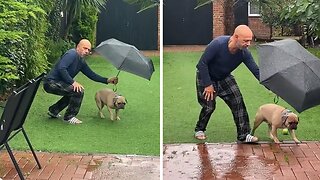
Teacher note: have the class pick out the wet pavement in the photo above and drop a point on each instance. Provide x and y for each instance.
(242, 161)
(129, 167)
(59, 166)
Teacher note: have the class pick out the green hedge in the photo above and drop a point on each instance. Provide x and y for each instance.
(85, 26)
(22, 42)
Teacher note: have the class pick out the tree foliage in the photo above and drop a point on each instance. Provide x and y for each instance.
(271, 10)
(72, 11)
(304, 12)
(54, 19)
(201, 3)
(85, 26)
(22, 42)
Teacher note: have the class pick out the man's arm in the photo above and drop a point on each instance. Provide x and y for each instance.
(92, 75)
(66, 60)
(251, 64)
(203, 65)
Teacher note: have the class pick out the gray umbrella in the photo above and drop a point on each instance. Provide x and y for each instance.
(126, 57)
(291, 72)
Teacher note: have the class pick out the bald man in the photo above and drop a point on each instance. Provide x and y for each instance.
(213, 78)
(59, 81)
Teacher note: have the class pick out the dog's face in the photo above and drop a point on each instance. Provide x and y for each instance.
(120, 102)
(292, 121)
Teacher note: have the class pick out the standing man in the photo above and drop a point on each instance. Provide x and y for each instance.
(60, 81)
(223, 55)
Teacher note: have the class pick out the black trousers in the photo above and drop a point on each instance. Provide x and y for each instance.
(70, 98)
(229, 91)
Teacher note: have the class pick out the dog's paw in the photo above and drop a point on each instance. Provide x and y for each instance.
(297, 141)
(118, 118)
(277, 142)
(111, 118)
(101, 116)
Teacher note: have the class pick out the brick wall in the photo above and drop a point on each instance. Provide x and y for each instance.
(223, 21)
(223, 17)
(218, 18)
(229, 17)
(259, 29)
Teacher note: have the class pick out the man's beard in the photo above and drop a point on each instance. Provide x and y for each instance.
(239, 46)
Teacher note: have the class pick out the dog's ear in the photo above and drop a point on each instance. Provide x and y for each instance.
(115, 100)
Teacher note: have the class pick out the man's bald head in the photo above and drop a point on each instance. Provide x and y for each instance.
(243, 30)
(84, 47)
(243, 36)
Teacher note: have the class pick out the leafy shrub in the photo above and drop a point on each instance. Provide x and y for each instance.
(22, 41)
(57, 48)
(7, 74)
(54, 19)
(85, 26)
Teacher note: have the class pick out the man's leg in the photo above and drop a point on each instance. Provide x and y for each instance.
(207, 108)
(59, 105)
(232, 96)
(70, 98)
(74, 105)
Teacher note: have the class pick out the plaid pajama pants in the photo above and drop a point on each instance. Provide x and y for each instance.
(69, 98)
(229, 91)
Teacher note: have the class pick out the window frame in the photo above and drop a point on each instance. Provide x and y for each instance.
(251, 14)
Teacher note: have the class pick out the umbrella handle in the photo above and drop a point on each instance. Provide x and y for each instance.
(114, 85)
(118, 73)
(115, 88)
(276, 99)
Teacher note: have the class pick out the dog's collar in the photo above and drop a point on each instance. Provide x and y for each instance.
(285, 115)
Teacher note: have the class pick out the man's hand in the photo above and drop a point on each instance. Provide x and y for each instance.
(77, 87)
(209, 93)
(112, 80)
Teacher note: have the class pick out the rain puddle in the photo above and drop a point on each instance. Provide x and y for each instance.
(214, 161)
(128, 167)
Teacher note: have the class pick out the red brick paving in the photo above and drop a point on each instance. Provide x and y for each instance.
(54, 166)
(59, 166)
(242, 161)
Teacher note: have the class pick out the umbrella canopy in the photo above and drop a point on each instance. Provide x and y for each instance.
(291, 72)
(126, 57)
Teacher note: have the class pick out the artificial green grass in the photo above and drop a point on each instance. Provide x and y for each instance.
(181, 109)
(137, 132)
